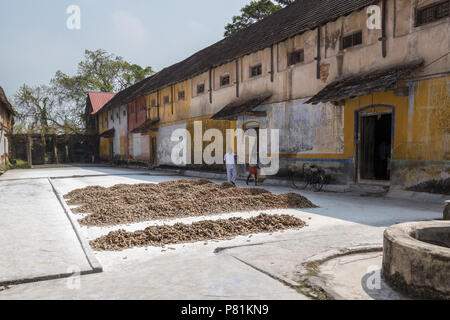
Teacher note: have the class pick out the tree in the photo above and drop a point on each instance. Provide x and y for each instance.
(60, 106)
(98, 72)
(253, 12)
(39, 111)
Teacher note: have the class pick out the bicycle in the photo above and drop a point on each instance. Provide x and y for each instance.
(311, 175)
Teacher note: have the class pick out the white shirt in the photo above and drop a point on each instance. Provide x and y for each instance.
(229, 159)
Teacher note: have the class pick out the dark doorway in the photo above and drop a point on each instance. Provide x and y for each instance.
(375, 147)
(111, 150)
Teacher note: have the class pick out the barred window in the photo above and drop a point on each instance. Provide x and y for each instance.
(295, 57)
(166, 100)
(432, 12)
(181, 95)
(256, 70)
(225, 80)
(352, 40)
(201, 88)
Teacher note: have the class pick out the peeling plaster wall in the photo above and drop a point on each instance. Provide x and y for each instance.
(308, 129)
(165, 145)
(117, 119)
(425, 155)
(313, 134)
(141, 147)
(137, 152)
(324, 134)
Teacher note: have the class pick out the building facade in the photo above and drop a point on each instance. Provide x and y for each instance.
(138, 143)
(6, 127)
(359, 87)
(97, 122)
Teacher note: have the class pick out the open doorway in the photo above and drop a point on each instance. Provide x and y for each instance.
(375, 147)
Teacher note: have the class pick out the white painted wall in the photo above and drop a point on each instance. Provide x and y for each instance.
(118, 119)
(165, 145)
(137, 145)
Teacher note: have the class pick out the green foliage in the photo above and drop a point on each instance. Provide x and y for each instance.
(19, 164)
(255, 11)
(33, 107)
(98, 72)
(60, 106)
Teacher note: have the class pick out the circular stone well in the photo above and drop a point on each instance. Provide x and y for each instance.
(416, 259)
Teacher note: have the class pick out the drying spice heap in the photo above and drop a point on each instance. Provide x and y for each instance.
(123, 204)
(198, 231)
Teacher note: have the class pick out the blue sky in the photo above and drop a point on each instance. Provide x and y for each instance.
(35, 41)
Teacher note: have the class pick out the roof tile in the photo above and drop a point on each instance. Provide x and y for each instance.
(99, 100)
(285, 23)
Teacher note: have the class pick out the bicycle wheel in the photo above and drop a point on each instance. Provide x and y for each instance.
(319, 182)
(299, 181)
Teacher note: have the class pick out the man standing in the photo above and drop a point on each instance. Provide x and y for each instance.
(231, 167)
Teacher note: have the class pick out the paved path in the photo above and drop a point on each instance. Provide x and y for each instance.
(68, 171)
(164, 277)
(251, 269)
(36, 237)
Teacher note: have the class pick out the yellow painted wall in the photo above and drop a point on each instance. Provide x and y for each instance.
(428, 127)
(122, 145)
(422, 125)
(421, 148)
(102, 122)
(422, 122)
(105, 150)
(421, 145)
(105, 143)
(152, 111)
(207, 123)
(176, 109)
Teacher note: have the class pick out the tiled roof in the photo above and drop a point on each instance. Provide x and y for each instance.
(285, 23)
(99, 99)
(108, 133)
(239, 107)
(145, 127)
(365, 83)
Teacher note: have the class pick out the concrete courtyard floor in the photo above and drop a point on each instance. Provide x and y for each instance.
(36, 238)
